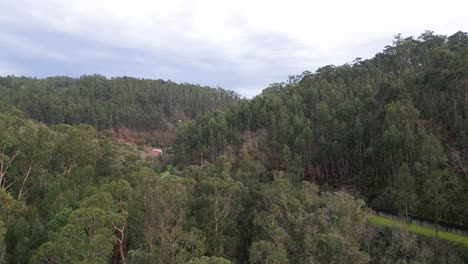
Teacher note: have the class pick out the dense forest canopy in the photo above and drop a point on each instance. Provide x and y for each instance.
(290, 176)
(123, 102)
(395, 127)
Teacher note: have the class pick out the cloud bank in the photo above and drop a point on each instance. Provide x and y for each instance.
(238, 45)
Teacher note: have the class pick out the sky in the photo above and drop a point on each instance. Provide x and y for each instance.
(239, 45)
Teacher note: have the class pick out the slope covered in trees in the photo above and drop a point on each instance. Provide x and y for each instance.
(394, 128)
(71, 194)
(123, 102)
(277, 179)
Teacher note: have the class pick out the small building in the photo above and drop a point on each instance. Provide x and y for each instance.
(156, 152)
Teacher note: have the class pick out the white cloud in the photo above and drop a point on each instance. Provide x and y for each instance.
(30, 49)
(262, 38)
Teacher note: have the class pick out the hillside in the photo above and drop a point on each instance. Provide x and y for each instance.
(393, 128)
(290, 176)
(140, 105)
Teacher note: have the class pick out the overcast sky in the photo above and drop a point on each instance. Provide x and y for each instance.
(237, 45)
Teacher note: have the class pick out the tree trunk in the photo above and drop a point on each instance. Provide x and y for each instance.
(3, 170)
(406, 210)
(121, 241)
(20, 194)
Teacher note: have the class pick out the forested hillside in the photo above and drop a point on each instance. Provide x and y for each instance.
(123, 102)
(290, 176)
(71, 194)
(393, 128)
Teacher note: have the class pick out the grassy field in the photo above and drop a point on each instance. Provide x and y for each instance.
(387, 222)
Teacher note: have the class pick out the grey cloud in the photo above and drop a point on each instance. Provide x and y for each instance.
(43, 38)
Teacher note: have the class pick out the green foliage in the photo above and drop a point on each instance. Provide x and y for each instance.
(88, 236)
(266, 252)
(112, 103)
(357, 124)
(300, 226)
(217, 206)
(405, 192)
(209, 260)
(168, 237)
(278, 176)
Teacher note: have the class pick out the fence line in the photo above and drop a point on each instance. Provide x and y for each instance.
(459, 230)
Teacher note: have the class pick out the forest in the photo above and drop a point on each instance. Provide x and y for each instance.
(293, 175)
(116, 103)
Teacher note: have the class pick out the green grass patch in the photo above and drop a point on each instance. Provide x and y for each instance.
(385, 222)
(422, 230)
(164, 174)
